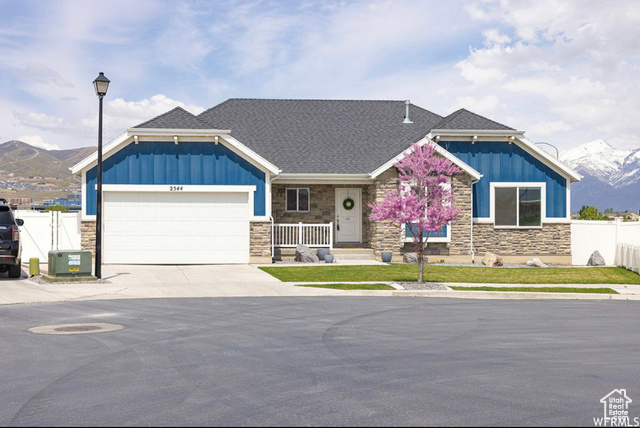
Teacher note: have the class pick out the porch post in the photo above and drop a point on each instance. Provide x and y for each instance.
(331, 235)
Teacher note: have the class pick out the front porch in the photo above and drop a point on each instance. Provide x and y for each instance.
(316, 215)
(286, 236)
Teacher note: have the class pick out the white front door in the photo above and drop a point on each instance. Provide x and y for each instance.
(349, 221)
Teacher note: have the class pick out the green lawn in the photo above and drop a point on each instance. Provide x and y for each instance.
(409, 273)
(539, 289)
(350, 286)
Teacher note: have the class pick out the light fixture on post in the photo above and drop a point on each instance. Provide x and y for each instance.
(101, 84)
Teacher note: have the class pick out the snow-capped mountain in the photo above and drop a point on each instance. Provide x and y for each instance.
(611, 176)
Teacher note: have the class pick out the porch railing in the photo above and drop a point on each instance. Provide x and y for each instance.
(311, 235)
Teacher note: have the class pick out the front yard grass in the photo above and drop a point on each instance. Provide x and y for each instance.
(350, 286)
(539, 289)
(409, 273)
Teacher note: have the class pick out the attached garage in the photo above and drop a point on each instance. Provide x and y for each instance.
(178, 196)
(197, 225)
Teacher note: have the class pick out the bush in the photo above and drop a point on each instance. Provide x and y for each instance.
(58, 207)
(591, 213)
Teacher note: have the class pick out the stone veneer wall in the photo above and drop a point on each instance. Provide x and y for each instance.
(461, 228)
(383, 236)
(322, 205)
(552, 239)
(260, 239)
(460, 244)
(88, 236)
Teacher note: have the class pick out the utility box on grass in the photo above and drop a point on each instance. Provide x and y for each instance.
(65, 263)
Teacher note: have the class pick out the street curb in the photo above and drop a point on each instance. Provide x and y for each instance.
(495, 295)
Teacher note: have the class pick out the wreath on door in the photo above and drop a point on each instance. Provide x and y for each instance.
(348, 204)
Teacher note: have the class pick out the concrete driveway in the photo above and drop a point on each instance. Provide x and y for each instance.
(144, 281)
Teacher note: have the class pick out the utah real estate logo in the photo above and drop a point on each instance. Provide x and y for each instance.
(616, 410)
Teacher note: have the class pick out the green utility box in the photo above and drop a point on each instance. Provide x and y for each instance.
(69, 263)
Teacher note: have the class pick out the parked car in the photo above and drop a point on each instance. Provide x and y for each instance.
(10, 243)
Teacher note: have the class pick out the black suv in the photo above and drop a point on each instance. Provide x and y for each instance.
(10, 244)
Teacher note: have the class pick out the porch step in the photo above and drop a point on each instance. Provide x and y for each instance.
(353, 254)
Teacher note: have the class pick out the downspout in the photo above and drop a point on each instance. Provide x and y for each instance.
(272, 246)
(473, 254)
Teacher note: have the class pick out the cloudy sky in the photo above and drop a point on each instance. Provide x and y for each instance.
(567, 72)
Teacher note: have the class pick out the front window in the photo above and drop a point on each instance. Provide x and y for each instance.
(518, 206)
(297, 199)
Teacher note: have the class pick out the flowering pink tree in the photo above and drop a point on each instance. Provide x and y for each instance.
(423, 200)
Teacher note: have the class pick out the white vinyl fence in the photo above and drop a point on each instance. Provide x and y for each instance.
(604, 236)
(628, 256)
(311, 235)
(43, 232)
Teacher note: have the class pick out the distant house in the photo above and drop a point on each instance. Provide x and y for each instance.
(250, 178)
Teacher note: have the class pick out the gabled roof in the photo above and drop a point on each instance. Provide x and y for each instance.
(322, 136)
(178, 118)
(464, 119)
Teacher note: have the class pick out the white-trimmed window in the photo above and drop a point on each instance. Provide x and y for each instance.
(297, 200)
(518, 205)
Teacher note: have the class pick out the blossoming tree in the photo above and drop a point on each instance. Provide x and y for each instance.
(423, 200)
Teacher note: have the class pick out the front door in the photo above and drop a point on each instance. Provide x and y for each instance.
(349, 215)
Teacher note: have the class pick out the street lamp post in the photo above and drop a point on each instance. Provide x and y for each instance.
(101, 84)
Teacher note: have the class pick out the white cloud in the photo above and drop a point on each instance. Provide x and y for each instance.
(483, 105)
(493, 37)
(120, 114)
(564, 75)
(549, 129)
(40, 121)
(38, 141)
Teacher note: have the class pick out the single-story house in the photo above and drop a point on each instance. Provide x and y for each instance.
(248, 179)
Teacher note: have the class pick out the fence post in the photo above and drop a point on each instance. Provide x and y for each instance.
(300, 233)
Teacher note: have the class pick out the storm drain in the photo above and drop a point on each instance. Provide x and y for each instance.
(76, 328)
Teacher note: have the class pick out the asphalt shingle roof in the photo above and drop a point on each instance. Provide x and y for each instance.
(464, 119)
(178, 118)
(322, 136)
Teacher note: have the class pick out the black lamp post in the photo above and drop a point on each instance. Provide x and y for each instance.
(101, 84)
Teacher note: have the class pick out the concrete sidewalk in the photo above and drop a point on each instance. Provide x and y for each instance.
(137, 282)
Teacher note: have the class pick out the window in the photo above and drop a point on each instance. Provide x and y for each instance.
(518, 206)
(5, 215)
(297, 200)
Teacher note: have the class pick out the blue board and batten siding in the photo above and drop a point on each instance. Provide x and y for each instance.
(181, 164)
(504, 162)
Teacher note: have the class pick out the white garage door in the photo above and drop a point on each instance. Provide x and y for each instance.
(175, 228)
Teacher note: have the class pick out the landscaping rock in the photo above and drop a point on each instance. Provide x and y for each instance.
(596, 259)
(492, 260)
(412, 258)
(305, 255)
(322, 252)
(535, 262)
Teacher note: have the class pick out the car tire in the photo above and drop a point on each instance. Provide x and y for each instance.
(15, 271)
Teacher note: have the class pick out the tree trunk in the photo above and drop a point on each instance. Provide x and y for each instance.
(420, 264)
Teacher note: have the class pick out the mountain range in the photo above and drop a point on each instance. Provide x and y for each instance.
(611, 177)
(21, 160)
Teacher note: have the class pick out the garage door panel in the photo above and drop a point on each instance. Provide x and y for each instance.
(176, 228)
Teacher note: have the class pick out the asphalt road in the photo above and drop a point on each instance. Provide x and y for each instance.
(319, 361)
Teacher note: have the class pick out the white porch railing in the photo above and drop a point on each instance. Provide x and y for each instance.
(311, 235)
(628, 256)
